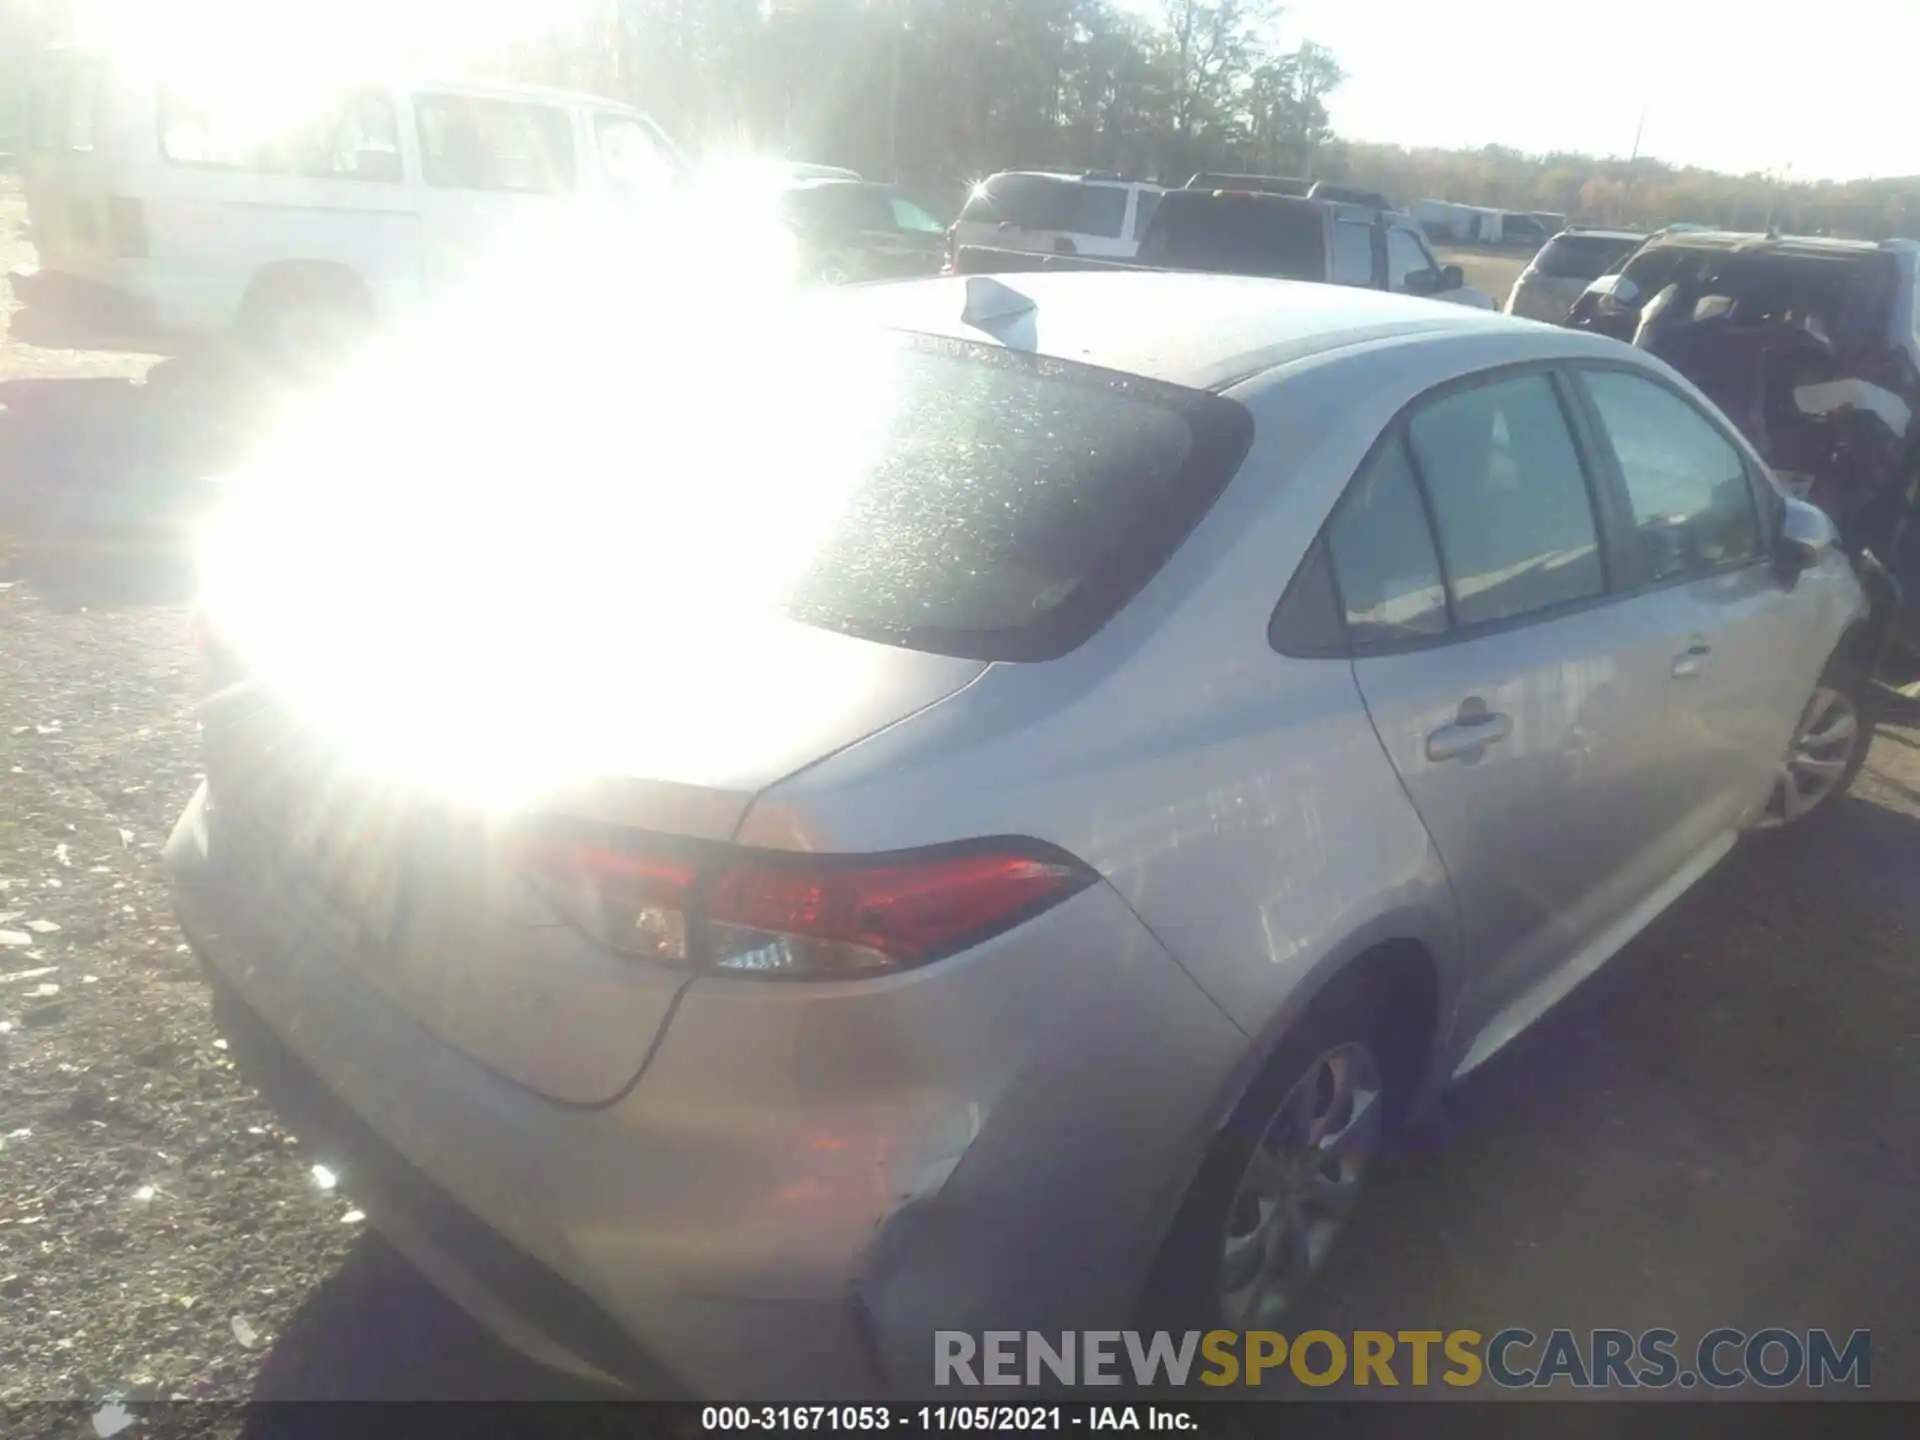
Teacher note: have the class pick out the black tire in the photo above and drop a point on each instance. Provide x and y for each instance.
(304, 322)
(1847, 677)
(1184, 1288)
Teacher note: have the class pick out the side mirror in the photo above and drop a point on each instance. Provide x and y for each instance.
(1806, 537)
(1452, 277)
(1426, 282)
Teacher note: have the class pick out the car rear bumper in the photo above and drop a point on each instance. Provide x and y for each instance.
(804, 1183)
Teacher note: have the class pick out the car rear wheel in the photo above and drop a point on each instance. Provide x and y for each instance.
(1828, 748)
(1279, 1184)
(305, 324)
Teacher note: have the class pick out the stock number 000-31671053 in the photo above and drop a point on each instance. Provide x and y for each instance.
(1042, 1418)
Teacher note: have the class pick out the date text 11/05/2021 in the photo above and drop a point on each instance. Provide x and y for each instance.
(920, 1419)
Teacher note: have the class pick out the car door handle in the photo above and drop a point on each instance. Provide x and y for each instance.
(1472, 730)
(1690, 660)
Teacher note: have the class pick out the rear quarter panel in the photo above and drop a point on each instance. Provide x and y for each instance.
(1238, 800)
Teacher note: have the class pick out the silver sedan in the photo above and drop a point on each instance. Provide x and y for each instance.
(1190, 721)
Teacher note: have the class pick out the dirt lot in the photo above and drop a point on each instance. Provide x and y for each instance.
(1720, 1130)
(1493, 271)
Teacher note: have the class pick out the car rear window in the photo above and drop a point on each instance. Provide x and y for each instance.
(1043, 202)
(1007, 506)
(1580, 257)
(1241, 235)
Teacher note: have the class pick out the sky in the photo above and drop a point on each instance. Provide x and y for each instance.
(1822, 88)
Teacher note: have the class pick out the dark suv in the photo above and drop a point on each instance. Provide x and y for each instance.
(1812, 347)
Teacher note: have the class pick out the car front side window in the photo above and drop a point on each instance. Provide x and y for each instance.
(1688, 487)
(1405, 256)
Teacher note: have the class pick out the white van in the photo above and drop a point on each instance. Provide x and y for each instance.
(164, 211)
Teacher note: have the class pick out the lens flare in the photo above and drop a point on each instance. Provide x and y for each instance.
(492, 556)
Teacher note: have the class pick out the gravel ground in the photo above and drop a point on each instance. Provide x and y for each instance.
(1720, 1129)
(159, 1235)
(156, 1229)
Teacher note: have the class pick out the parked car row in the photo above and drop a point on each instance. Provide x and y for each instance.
(1258, 233)
(1108, 217)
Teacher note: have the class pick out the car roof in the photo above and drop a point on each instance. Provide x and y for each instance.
(1205, 332)
(1072, 179)
(1582, 230)
(1785, 244)
(833, 182)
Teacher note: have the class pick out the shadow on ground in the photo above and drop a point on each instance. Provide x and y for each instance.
(102, 481)
(377, 1330)
(1719, 1129)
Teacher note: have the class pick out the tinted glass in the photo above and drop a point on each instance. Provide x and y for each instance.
(909, 216)
(1352, 253)
(1693, 505)
(469, 144)
(1383, 555)
(841, 207)
(1237, 235)
(1509, 499)
(1580, 257)
(1000, 500)
(1405, 256)
(1040, 202)
(1307, 620)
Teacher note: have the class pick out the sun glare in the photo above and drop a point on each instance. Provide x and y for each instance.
(573, 474)
(488, 557)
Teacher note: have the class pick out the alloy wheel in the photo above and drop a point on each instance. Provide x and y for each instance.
(1300, 1185)
(1817, 760)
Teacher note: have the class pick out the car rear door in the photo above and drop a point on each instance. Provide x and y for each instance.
(1744, 654)
(1522, 708)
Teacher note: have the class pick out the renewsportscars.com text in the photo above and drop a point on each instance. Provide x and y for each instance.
(1513, 1358)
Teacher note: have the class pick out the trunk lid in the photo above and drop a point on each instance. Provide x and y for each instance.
(414, 887)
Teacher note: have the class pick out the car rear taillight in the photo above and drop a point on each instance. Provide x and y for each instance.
(953, 253)
(767, 915)
(621, 895)
(127, 223)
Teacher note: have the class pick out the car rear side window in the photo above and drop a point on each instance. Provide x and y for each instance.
(1005, 507)
(1510, 499)
(1384, 560)
(1692, 499)
(1239, 235)
(1580, 257)
(355, 136)
(1045, 202)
